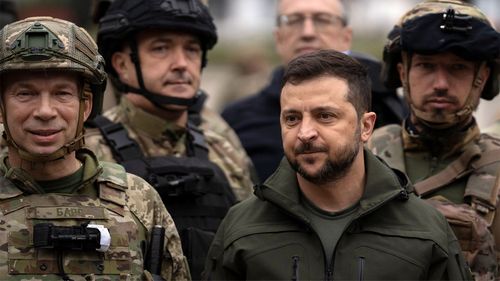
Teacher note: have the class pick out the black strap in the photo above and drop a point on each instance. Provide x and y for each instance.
(122, 146)
(398, 107)
(194, 111)
(125, 148)
(196, 145)
(155, 98)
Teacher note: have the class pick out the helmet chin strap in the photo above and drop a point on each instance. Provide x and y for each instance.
(157, 99)
(445, 120)
(75, 144)
(160, 101)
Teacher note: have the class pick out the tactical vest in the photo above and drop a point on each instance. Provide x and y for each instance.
(477, 225)
(195, 190)
(22, 213)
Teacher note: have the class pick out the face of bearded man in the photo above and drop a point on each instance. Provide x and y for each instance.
(334, 167)
(320, 128)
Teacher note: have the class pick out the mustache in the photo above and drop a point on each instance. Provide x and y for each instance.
(177, 77)
(440, 96)
(308, 148)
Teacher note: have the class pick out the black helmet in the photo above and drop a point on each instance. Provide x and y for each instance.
(124, 17)
(436, 26)
(8, 12)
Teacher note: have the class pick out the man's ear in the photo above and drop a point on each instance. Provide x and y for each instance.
(402, 72)
(367, 125)
(87, 103)
(482, 76)
(121, 63)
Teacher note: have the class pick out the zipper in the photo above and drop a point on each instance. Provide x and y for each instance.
(361, 268)
(295, 268)
(361, 262)
(329, 275)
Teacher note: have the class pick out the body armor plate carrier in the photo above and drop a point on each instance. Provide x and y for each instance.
(195, 190)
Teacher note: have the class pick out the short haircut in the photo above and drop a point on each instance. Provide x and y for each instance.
(326, 63)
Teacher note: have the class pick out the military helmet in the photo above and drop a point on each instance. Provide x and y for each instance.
(436, 26)
(46, 43)
(125, 17)
(50, 44)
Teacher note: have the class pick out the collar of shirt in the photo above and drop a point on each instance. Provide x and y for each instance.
(153, 126)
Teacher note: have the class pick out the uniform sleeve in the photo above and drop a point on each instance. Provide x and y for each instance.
(151, 211)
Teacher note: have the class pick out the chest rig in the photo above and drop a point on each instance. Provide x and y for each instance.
(195, 190)
(64, 247)
(477, 223)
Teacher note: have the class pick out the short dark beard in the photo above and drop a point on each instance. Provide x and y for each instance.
(333, 169)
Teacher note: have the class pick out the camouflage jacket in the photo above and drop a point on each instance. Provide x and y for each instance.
(158, 137)
(123, 203)
(475, 189)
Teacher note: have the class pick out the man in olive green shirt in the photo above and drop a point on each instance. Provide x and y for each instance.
(332, 210)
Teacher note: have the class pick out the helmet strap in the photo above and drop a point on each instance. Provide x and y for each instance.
(156, 99)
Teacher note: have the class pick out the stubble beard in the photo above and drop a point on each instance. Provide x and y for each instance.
(333, 169)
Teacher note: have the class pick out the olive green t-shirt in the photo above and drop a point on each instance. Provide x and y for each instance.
(329, 225)
(67, 184)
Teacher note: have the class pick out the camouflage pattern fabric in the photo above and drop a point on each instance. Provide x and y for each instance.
(71, 49)
(394, 144)
(476, 241)
(123, 203)
(158, 137)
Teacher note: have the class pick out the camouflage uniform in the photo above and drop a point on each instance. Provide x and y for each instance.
(451, 164)
(158, 137)
(411, 154)
(70, 209)
(108, 196)
(191, 157)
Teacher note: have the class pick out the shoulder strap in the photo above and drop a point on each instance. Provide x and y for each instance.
(472, 159)
(194, 111)
(455, 170)
(123, 147)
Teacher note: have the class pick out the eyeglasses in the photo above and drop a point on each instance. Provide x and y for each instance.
(322, 21)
